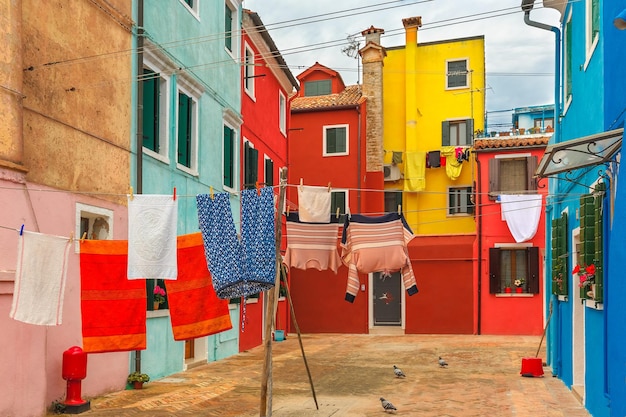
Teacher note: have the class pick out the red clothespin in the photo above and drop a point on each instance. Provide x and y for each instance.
(329, 187)
(174, 194)
(258, 188)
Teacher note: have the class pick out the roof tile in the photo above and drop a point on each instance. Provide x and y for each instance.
(350, 96)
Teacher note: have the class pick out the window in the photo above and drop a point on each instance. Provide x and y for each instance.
(592, 24)
(269, 172)
(282, 113)
(457, 74)
(229, 157)
(338, 200)
(335, 140)
(95, 223)
(559, 255)
(230, 23)
(460, 201)
(567, 62)
(393, 199)
(317, 88)
(543, 123)
(150, 284)
(508, 264)
(186, 126)
(514, 175)
(192, 6)
(155, 110)
(591, 232)
(457, 132)
(248, 71)
(251, 165)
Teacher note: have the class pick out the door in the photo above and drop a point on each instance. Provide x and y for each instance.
(387, 299)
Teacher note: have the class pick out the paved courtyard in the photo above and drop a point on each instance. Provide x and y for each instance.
(351, 372)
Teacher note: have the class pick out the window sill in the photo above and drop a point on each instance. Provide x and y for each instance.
(515, 295)
(563, 298)
(157, 313)
(594, 305)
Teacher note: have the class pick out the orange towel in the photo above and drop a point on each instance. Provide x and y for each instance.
(195, 310)
(113, 308)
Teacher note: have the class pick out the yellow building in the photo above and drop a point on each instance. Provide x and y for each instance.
(433, 101)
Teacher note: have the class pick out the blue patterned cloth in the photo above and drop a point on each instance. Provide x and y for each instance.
(246, 267)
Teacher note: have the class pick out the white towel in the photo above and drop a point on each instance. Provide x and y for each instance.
(152, 221)
(40, 279)
(521, 213)
(314, 204)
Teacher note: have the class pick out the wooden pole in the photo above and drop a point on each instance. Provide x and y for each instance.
(272, 303)
(295, 324)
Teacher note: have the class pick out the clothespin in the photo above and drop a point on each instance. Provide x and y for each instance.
(258, 188)
(399, 208)
(211, 192)
(131, 193)
(22, 230)
(337, 214)
(174, 194)
(301, 182)
(329, 187)
(287, 209)
(71, 237)
(82, 238)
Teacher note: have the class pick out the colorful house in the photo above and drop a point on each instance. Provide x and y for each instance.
(510, 216)
(585, 221)
(433, 102)
(267, 84)
(64, 170)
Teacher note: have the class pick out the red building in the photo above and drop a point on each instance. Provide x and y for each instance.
(267, 85)
(510, 212)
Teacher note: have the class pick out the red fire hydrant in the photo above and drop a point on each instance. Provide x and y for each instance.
(74, 370)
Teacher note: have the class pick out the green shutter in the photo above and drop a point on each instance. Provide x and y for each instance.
(331, 140)
(445, 133)
(269, 172)
(228, 157)
(568, 62)
(151, 110)
(559, 256)
(340, 140)
(595, 18)
(228, 28)
(587, 235)
(599, 253)
(469, 132)
(184, 130)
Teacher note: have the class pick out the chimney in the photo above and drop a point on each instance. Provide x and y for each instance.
(411, 24)
(372, 55)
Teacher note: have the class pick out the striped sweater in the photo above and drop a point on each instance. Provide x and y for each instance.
(311, 245)
(376, 244)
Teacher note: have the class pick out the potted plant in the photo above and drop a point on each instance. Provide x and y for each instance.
(137, 379)
(519, 283)
(159, 296)
(587, 278)
(507, 289)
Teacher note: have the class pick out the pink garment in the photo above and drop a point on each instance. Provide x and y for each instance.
(311, 245)
(376, 244)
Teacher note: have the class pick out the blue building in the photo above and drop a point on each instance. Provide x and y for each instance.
(533, 119)
(585, 245)
(188, 119)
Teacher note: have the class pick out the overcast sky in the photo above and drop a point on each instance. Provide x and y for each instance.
(519, 58)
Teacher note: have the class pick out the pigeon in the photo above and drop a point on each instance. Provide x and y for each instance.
(387, 405)
(398, 372)
(442, 363)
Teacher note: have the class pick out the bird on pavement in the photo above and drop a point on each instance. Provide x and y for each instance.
(398, 372)
(442, 363)
(387, 405)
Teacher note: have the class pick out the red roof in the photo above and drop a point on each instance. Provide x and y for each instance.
(511, 142)
(350, 96)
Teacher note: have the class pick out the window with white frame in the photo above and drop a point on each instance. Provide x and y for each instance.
(269, 171)
(512, 267)
(512, 175)
(567, 62)
(156, 95)
(192, 6)
(251, 165)
(231, 25)
(94, 223)
(229, 152)
(187, 130)
(282, 113)
(248, 71)
(335, 140)
(460, 201)
(592, 24)
(457, 74)
(457, 132)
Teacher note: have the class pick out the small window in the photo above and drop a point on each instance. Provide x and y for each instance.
(393, 199)
(282, 113)
(514, 267)
(512, 175)
(592, 24)
(457, 132)
(248, 71)
(155, 116)
(317, 88)
(460, 201)
(251, 166)
(150, 285)
(228, 27)
(335, 140)
(229, 157)
(94, 223)
(338, 200)
(186, 126)
(192, 5)
(457, 74)
(269, 172)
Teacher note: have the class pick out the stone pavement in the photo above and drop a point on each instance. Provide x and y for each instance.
(351, 372)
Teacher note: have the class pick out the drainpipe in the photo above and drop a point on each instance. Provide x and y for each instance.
(527, 6)
(479, 217)
(358, 159)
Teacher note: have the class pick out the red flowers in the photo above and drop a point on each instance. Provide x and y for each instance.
(587, 275)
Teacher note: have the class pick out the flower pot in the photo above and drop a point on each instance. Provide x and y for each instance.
(507, 290)
(137, 385)
(519, 290)
(156, 305)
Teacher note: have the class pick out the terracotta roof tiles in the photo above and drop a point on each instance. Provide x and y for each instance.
(350, 96)
(512, 142)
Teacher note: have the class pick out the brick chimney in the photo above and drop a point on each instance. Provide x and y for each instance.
(372, 55)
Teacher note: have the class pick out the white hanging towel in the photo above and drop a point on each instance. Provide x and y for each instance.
(521, 213)
(40, 277)
(314, 204)
(152, 221)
